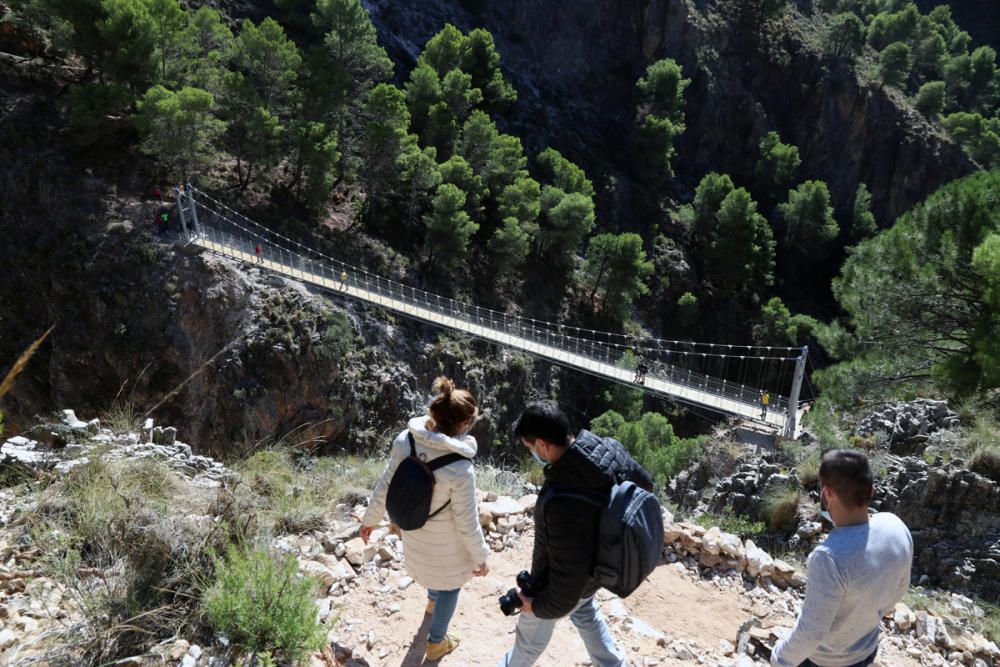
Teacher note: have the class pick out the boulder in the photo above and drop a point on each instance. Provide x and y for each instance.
(358, 553)
(759, 562)
(903, 617)
(502, 506)
(528, 502)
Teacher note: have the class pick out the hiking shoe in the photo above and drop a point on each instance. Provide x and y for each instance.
(430, 607)
(437, 650)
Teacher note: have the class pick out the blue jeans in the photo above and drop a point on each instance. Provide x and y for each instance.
(444, 608)
(533, 635)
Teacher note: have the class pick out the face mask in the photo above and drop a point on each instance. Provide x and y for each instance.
(539, 458)
(823, 510)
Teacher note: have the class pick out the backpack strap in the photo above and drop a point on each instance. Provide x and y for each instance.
(441, 462)
(563, 492)
(445, 460)
(433, 465)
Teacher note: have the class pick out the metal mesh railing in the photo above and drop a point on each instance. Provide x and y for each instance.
(606, 354)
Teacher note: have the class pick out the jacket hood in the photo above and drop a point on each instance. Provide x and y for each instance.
(466, 445)
(589, 463)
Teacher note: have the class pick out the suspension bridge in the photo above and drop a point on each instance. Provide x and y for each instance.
(745, 381)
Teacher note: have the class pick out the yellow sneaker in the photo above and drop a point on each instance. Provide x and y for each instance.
(436, 651)
(430, 607)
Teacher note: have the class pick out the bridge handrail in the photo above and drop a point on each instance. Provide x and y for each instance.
(511, 325)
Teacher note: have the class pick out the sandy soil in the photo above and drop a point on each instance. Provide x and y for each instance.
(670, 606)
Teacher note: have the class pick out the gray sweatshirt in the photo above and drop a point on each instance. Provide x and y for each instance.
(857, 575)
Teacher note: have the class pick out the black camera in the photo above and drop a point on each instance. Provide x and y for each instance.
(511, 602)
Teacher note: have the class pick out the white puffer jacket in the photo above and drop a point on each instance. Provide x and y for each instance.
(441, 554)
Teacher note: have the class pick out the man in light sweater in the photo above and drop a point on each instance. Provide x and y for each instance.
(854, 578)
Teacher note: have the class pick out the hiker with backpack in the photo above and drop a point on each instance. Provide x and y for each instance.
(591, 485)
(429, 491)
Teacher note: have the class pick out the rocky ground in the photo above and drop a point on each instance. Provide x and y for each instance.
(715, 600)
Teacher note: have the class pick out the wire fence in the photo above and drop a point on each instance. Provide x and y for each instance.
(606, 354)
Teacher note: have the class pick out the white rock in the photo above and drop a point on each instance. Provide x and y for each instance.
(404, 583)
(903, 617)
(195, 651)
(502, 506)
(323, 608)
(759, 562)
(70, 419)
(7, 638)
(528, 501)
(320, 571)
(359, 553)
(682, 652)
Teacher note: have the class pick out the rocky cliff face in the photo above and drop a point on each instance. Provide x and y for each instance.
(953, 513)
(575, 65)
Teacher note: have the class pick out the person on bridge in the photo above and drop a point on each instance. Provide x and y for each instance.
(449, 549)
(257, 250)
(857, 575)
(566, 535)
(641, 368)
(765, 400)
(161, 225)
(343, 280)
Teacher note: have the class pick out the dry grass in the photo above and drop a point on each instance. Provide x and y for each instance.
(295, 495)
(499, 480)
(781, 507)
(808, 471)
(131, 544)
(22, 362)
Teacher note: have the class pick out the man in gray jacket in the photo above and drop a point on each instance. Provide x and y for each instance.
(854, 578)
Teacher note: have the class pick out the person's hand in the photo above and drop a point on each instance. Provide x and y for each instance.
(366, 532)
(481, 571)
(525, 602)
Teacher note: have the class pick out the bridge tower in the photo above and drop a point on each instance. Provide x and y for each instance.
(793, 397)
(188, 226)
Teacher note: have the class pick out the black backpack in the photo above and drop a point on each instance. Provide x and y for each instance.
(629, 535)
(408, 500)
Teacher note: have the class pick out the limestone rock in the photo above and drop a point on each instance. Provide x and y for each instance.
(502, 506)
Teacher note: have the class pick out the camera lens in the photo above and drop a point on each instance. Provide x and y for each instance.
(510, 602)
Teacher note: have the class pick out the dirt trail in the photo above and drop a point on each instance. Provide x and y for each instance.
(671, 606)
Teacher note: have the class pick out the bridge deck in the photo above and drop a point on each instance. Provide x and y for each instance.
(666, 386)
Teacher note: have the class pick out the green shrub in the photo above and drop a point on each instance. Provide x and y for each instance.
(930, 98)
(264, 603)
(822, 421)
(989, 624)
(651, 441)
(736, 524)
(780, 507)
